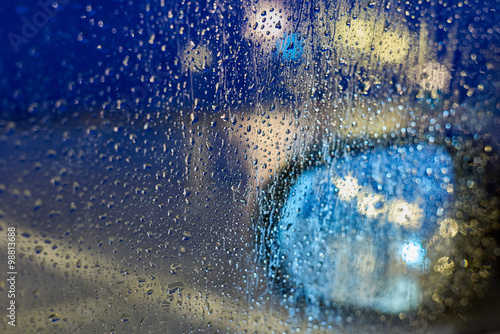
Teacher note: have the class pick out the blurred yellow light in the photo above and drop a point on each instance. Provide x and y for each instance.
(366, 38)
(266, 22)
(196, 58)
(444, 266)
(405, 214)
(448, 228)
(432, 76)
(367, 204)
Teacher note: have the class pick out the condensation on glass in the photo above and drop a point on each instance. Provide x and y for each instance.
(250, 166)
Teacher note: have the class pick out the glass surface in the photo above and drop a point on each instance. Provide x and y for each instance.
(249, 166)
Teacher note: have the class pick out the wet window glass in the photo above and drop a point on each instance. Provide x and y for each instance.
(249, 166)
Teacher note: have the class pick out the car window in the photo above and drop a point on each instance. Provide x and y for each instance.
(249, 166)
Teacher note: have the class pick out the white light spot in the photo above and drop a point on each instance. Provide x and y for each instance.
(348, 187)
(412, 253)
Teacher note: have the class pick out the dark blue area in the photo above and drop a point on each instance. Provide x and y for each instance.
(67, 57)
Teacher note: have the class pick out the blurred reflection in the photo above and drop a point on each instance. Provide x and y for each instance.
(252, 166)
(333, 253)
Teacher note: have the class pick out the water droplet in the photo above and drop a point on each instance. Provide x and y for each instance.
(177, 286)
(55, 317)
